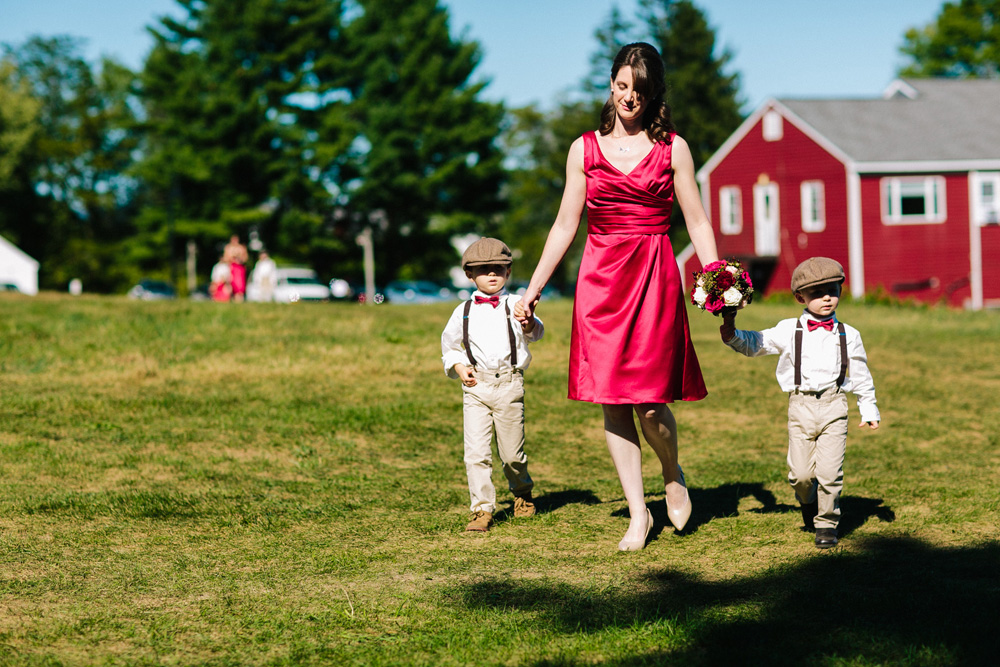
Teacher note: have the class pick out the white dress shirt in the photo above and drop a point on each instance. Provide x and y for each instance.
(820, 359)
(488, 336)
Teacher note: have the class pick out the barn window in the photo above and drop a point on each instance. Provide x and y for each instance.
(813, 206)
(912, 200)
(730, 210)
(773, 127)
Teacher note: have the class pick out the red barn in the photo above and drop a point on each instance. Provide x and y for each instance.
(904, 191)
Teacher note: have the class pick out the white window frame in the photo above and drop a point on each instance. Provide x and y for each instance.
(773, 126)
(986, 197)
(931, 188)
(813, 206)
(730, 210)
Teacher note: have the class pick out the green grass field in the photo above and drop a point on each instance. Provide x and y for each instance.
(205, 484)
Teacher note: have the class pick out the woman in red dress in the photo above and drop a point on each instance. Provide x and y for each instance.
(631, 349)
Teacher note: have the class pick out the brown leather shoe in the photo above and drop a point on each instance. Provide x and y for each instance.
(523, 507)
(481, 522)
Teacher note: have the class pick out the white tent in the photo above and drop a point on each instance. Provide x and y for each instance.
(17, 268)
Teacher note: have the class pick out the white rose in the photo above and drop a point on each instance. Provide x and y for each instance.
(732, 297)
(700, 296)
(732, 269)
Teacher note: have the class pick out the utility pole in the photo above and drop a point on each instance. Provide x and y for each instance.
(364, 239)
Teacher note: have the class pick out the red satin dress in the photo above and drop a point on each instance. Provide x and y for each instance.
(630, 341)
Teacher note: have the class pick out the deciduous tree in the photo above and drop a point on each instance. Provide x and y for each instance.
(963, 41)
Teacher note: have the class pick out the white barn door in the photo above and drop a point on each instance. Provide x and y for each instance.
(766, 233)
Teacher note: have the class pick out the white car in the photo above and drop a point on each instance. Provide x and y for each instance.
(296, 284)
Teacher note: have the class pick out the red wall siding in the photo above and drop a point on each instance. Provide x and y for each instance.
(990, 240)
(787, 162)
(927, 262)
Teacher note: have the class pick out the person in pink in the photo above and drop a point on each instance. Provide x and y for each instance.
(235, 254)
(630, 348)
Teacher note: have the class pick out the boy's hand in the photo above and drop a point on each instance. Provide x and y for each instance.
(522, 312)
(465, 375)
(728, 327)
(872, 425)
(527, 321)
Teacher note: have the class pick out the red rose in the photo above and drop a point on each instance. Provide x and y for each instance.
(724, 281)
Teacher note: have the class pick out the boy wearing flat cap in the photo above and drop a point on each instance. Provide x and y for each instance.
(820, 358)
(487, 349)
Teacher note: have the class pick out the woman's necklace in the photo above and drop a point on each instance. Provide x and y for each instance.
(626, 147)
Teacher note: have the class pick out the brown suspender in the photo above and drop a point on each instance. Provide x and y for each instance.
(465, 334)
(798, 353)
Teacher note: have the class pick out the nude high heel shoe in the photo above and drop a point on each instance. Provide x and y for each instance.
(679, 515)
(638, 545)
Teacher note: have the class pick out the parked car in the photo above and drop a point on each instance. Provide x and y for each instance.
(298, 284)
(152, 290)
(417, 291)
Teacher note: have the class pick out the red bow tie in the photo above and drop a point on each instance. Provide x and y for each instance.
(492, 300)
(825, 324)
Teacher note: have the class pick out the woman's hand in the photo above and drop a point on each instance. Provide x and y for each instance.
(524, 310)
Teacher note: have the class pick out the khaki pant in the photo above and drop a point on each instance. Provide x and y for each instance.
(817, 443)
(495, 403)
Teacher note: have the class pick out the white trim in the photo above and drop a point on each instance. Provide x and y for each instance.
(975, 247)
(766, 219)
(927, 166)
(855, 239)
(900, 87)
(812, 198)
(933, 189)
(727, 210)
(981, 214)
(772, 126)
(682, 258)
(821, 140)
(734, 139)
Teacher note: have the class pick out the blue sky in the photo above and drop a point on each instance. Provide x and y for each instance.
(537, 50)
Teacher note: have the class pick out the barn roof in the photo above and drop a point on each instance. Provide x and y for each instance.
(916, 120)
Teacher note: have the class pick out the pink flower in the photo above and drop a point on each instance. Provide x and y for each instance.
(746, 278)
(714, 266)
(714, 304)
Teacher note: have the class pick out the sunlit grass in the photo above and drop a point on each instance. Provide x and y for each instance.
(195, 483)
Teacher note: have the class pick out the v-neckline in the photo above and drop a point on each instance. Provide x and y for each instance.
(626, 174)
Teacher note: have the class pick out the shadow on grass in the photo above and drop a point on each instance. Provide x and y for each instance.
(897, 601)
(723, 502)
(553, 501)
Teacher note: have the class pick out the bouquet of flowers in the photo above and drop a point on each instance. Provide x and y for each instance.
(720, 285)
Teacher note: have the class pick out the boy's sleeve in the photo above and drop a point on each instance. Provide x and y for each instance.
(452, 350)
(758, 343)
(862, 383)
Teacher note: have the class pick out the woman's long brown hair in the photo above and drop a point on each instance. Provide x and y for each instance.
(649, 81)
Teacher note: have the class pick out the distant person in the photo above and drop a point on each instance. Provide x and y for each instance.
(264, 277)
(487, 349)
(631, 349)
(820, 358)
(235, 254)
(220, 287)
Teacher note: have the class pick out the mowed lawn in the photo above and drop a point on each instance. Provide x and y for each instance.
(204, 484)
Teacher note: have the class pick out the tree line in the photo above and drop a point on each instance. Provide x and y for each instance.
(299, 124)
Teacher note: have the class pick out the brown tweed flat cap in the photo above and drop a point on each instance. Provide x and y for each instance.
(816, 271)
(486, 251)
